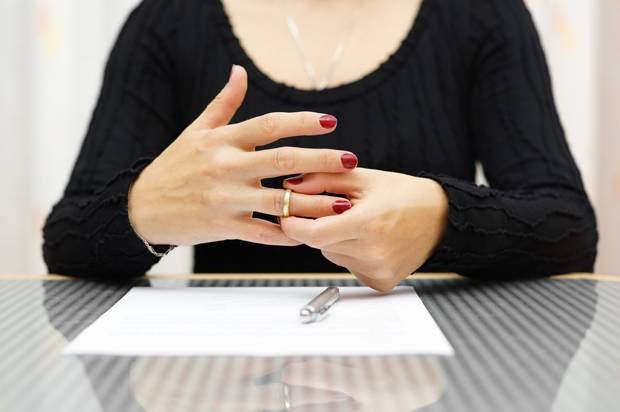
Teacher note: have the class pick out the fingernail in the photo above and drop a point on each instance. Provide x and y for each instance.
(295, 180)
(341, 206)
(349, 160)
(328, 121)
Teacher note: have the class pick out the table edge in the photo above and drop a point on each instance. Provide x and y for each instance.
(302, 276)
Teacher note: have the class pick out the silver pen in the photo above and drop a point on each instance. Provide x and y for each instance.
(317, 307)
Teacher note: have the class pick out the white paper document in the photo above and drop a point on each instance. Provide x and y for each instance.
(261, 321)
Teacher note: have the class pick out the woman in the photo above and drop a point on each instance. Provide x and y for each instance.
(421, 90)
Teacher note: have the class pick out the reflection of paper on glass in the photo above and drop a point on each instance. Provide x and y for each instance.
(261, 321)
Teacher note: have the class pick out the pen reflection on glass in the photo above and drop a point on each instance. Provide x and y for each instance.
(391, 383)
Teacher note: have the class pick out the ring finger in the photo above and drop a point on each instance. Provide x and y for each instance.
(271, 202)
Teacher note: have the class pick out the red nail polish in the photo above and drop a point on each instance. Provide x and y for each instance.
(295, 180)
(349, 160)
(328, 121)
(341, 206)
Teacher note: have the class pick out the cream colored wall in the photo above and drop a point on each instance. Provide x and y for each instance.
(608, 165)
(53, 54)
(72, 42)
(16, 238)
(569, 32)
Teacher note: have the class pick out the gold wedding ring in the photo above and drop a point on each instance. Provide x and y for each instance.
(286, 203)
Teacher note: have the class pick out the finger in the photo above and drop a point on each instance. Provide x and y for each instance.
(271, 202)
(263, 232)
(289, 160)
(316, 183)
(270, 127)
(224, 106)
(323, 231)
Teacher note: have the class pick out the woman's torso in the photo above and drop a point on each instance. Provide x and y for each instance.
(408, 115)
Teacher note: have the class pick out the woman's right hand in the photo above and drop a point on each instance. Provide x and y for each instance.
(206, 184)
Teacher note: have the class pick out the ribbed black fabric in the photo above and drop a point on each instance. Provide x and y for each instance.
(468, 83)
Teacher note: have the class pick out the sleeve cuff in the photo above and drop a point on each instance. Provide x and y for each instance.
(447, 254)
(121, 241)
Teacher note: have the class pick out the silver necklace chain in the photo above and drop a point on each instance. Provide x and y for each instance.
(293, 28)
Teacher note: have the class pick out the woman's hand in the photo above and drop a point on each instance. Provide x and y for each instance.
(393, 227)
(206, 184)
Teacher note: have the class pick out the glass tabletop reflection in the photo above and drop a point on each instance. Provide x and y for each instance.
(532, 345)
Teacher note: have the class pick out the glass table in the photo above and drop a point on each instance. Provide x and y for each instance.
(529, 345)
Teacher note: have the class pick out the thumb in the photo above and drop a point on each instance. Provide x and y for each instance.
(224, 106)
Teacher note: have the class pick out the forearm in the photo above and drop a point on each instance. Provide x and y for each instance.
(90, 236)
(500, 234)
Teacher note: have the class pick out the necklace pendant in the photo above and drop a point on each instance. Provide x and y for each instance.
(307, 63)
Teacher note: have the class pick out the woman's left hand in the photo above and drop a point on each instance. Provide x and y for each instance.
(392, 228)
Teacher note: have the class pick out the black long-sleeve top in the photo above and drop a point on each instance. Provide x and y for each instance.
(468, 83)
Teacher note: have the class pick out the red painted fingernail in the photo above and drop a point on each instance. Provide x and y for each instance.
(349, 160)
(295, 180)
(341, 206)
(328, 121)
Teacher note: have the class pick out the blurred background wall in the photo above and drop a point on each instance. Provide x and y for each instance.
(608, 161)
(53, 53)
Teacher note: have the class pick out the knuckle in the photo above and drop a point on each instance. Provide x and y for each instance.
(326, 159)
(222, 162)
(209, 170)
(224, 168)
(224, 133)
(323, 205)
(267, 124)
(284, 159)
(213, 198)
(305, 120)
(200, 142)
(277, 202)
(213, 168)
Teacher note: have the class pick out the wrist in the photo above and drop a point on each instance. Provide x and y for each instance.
(139, 216)
(440, 207)
(154, 249)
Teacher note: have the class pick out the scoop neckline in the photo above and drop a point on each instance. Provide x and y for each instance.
(346, 91)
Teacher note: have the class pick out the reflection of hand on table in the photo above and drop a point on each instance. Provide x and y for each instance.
(239, 384)
(372, 384)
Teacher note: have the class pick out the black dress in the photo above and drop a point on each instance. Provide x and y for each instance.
(468, 83)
